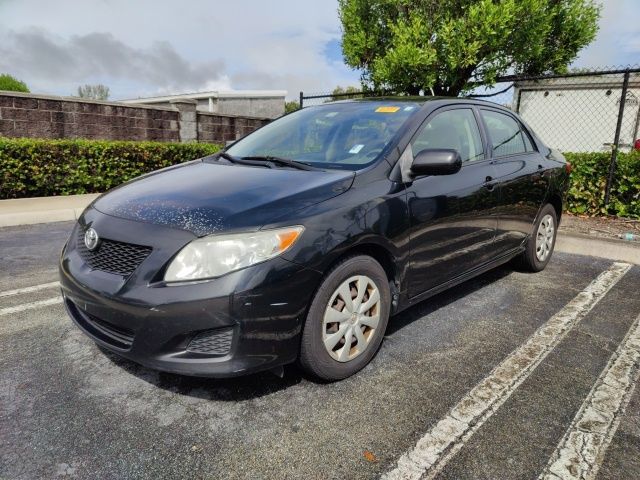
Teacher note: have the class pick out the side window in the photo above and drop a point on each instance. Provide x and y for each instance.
(505, 133)
(456, 129)
(530, 137)
(527, 142)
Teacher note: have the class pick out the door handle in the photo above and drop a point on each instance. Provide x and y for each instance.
(487, 183)
(539, 173)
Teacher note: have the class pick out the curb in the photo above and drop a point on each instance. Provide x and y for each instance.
(609, 248)
(29, 211)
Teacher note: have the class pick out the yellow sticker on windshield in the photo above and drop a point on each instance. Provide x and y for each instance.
(387, 109)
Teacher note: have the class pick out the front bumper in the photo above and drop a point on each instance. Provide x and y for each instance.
(248, 320)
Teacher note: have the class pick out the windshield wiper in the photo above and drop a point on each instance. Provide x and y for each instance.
(267, 161)
(218, 155)
(228, 157)
(281, 161)
(241, 161)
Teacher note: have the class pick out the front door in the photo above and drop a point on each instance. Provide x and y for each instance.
(453, 218)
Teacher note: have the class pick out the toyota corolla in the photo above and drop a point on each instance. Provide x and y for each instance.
(301, 240)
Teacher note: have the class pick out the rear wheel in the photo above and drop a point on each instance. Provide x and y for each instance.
(347, 319)
(541, 243)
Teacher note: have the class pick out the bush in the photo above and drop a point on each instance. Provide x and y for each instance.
(39, 168)
(589, 179)
(9, 83)
(291, 106)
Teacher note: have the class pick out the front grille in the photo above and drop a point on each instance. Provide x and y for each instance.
(119, 337)
(212, 342)
(113, 257)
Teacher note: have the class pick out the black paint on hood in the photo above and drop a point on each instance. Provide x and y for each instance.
(205, 198)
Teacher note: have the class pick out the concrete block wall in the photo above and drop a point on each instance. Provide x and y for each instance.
(38, 116)
(268, 107)
(41, 116)
(227, 128)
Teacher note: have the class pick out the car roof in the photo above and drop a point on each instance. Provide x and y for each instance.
(421, 100)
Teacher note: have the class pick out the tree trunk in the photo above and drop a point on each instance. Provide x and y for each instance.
(445, 91)
(453, 87)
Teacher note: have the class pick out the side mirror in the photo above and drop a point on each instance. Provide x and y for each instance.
(436, 161)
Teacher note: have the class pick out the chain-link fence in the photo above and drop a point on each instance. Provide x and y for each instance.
(318, 98)
(586, 111)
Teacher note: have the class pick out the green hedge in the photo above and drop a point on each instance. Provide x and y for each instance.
(40, 168)
(589, 178)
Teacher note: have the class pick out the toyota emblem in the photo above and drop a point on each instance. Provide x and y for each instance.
(91, 239)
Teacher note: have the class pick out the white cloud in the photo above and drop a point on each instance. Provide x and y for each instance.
(102, 56)
(618, 41)
(147, 46)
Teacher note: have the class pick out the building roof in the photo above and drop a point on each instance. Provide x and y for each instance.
(211, 94)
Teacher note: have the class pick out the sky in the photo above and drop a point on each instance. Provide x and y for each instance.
(145, 47)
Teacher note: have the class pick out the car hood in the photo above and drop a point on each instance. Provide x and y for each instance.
(203, 197)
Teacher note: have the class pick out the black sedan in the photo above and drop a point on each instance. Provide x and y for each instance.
(298, 242)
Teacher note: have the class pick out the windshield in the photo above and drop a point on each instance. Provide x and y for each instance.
(341, 135)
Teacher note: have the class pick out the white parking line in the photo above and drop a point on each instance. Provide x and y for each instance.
(582, 449)
(448, 436)
(30, 306)
(35, 288)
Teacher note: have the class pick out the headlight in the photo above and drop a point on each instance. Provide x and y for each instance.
(215, 255)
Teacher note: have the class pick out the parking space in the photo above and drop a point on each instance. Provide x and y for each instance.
(500, 377)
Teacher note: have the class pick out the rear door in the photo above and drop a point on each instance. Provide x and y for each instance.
(453, 217)
(519, 170)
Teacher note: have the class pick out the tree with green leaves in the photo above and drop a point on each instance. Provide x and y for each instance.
(94, 92)
(447, 46)
(12, 84)
(339, 92)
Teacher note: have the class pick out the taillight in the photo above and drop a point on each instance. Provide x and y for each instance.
(636, 145)
(567, 167)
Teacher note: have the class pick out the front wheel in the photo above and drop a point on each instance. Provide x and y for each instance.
(540, 245)
(347, 319)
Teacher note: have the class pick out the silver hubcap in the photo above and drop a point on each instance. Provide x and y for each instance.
(351, 318)
(544, 238)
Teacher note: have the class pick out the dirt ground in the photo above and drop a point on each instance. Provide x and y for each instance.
(604, 227)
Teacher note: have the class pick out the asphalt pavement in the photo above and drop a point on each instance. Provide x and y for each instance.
(508, 376)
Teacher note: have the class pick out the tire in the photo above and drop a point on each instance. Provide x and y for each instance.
(541, 242)
(331, 319)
